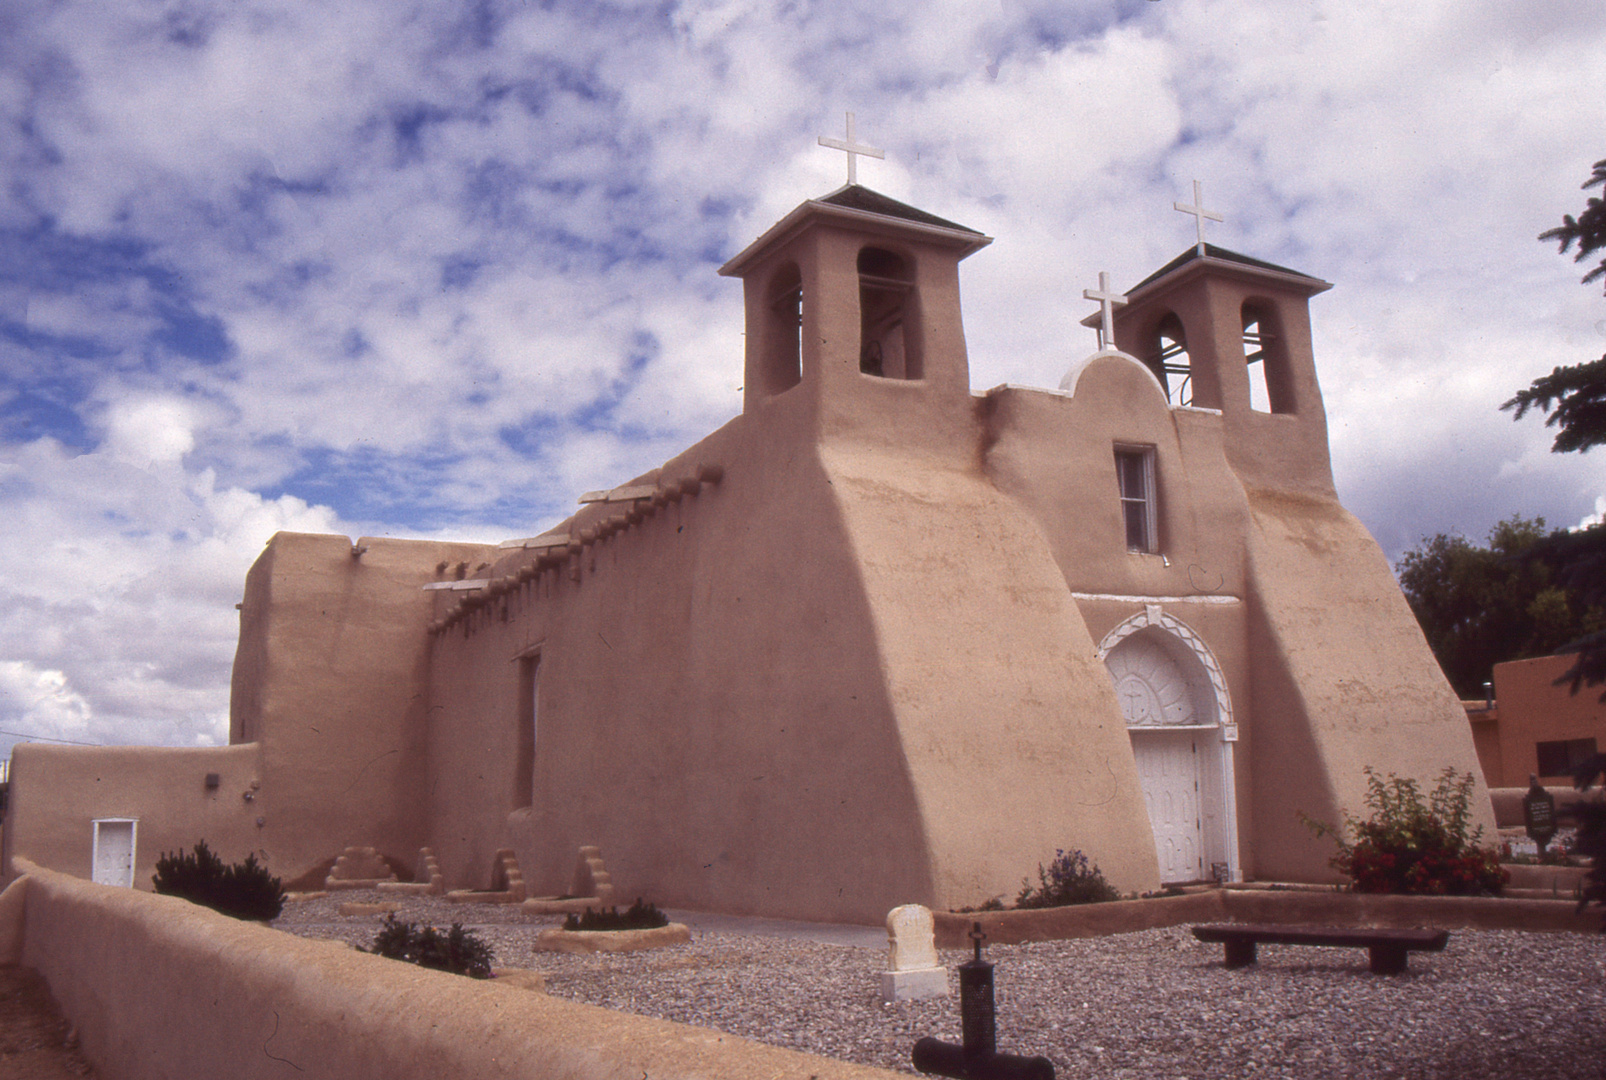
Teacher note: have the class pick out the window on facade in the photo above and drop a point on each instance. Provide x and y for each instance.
(1170, 361)
(886, 292)
(1561, 757)
(529, 698)
(1134, 474)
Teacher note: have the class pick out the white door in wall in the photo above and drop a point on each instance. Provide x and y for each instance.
(1168, 768)
(113, 854)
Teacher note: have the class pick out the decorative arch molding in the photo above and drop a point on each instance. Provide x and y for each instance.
(1152, 616)
(1188, 778)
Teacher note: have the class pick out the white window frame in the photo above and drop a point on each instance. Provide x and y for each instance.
(1146, 498)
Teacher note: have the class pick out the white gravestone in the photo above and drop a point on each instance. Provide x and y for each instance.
(912, 956)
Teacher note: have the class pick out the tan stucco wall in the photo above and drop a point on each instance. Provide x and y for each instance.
(1054, 454)
(329, 682)
(848, 676)
(837, 681)
(160, 988)
(861, 669)
(1533, 709)
(1485, 724)
(1326, 668)
(1344, 680)
(57, 792)
(1008, 721)
(711, 709)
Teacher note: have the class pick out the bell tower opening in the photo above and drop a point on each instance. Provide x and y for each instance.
(887, 346)
(1171, 362)
(1266, 355)
(783, 366)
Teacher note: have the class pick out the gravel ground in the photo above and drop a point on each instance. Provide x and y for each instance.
(1501, 1005)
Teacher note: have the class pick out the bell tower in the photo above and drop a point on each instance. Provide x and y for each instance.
(852, 308)
(1227, 332)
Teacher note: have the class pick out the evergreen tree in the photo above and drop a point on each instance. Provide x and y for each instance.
(1483, 605)
(1573, 400)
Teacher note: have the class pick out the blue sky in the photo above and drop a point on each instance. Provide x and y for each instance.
(433, 269)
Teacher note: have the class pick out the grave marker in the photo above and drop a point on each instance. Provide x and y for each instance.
(1539, 813)
(978, 1057)
(914, 973)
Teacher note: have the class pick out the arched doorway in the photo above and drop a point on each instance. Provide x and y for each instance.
(1179, 718)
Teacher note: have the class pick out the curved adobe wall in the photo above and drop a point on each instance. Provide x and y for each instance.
(1010, 725)
(1345, 681)
(259, 1003)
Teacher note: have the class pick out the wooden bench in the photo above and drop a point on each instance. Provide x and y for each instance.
(1387, 947)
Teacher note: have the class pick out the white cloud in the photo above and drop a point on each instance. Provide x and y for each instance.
(35, 700)
(155, 431)
(121, 613)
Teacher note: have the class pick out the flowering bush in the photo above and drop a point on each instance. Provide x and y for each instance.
(1412, 846)
(1069, 879)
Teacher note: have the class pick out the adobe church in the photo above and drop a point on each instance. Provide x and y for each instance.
(879, 639)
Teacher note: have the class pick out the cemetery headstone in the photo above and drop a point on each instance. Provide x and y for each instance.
(913, 972)
(1539, 813)
(977, 1058)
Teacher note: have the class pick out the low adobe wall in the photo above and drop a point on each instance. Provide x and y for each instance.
(1331, 908)
(58, 791)
(257, 1002)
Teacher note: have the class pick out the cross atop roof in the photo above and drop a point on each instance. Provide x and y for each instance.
(1108, 302)
(1199, 212)
(853, 150)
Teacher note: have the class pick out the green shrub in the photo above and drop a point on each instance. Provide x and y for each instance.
(1590, 840)
(639, 916)
(1067, 880)
(1412, 846)
(244, 890)
(457, 951)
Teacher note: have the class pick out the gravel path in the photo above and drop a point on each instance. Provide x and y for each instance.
(1501, 1005)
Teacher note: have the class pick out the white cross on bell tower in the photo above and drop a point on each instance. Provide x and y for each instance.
(1199, 212)
(853, 150)
(1108, 302)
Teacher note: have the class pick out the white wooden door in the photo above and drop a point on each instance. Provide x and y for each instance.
(113, 858)
(1168, 768)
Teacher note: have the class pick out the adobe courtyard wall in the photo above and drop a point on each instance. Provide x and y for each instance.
(57, 792)
(159, 988)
